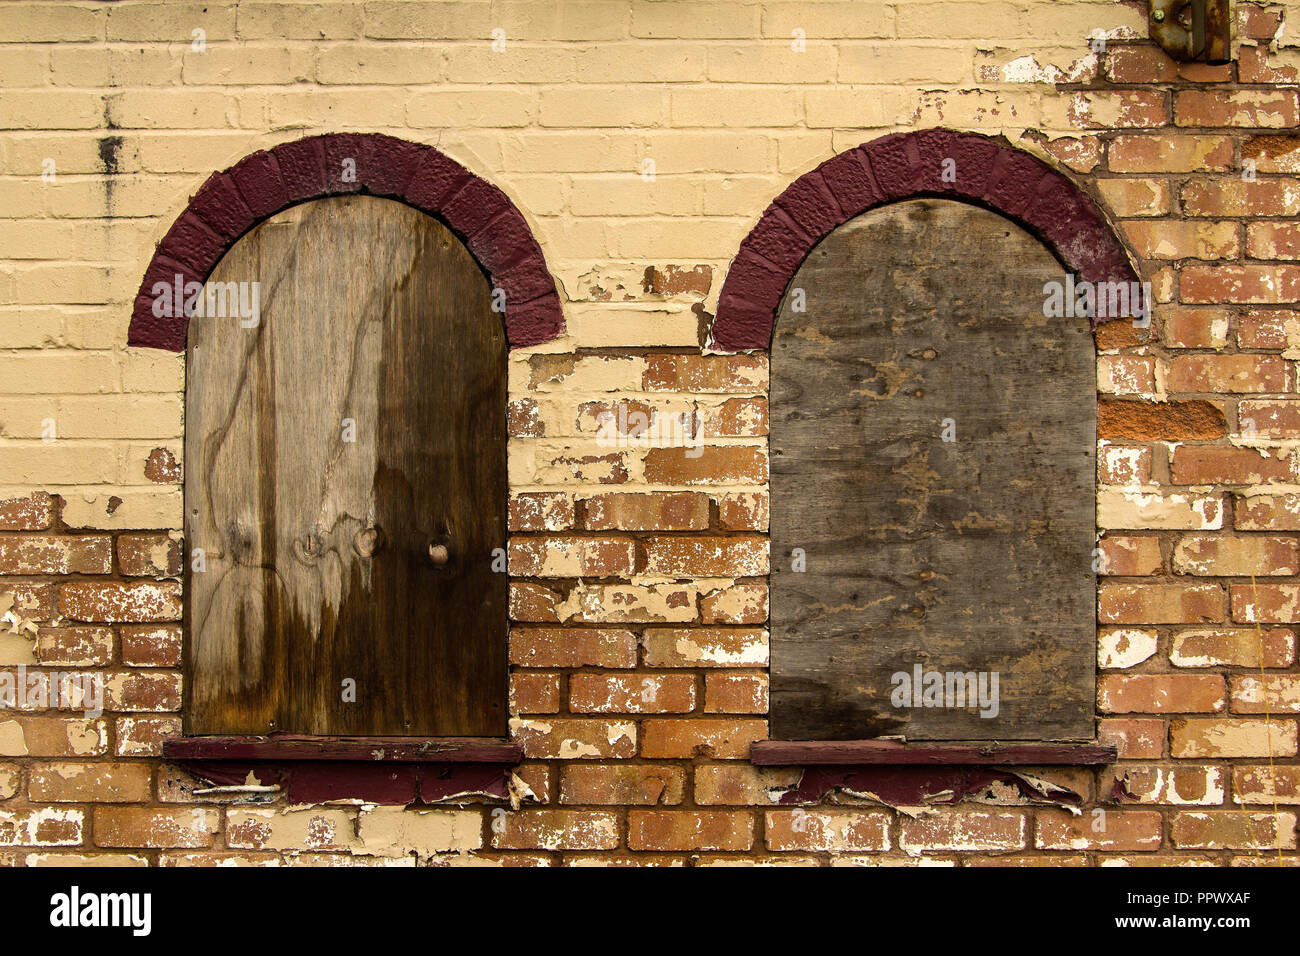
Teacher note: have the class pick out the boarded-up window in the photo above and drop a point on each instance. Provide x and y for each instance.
(345, 482)
(933, 461)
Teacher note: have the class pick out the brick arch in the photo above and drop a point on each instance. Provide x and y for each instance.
(988, 172)
(262, 184)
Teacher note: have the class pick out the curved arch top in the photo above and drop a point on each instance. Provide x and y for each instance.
(983, 171)
(262, 184)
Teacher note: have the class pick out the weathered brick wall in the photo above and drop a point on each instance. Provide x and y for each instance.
(642, 142)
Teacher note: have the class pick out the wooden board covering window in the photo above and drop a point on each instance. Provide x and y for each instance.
(969, 556)
(369, 395)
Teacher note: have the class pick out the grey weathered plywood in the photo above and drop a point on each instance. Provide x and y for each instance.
(974, 555)
(373, 314)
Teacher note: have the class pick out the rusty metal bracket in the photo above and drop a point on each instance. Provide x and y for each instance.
(1193, 29)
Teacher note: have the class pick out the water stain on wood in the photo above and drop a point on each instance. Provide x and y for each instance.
(329, 447)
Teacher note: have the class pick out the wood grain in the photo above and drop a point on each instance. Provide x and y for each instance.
(891, 753)
(969, 556)
(371, 314)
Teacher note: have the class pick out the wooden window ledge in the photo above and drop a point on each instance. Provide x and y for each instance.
(896, 753)
(291, 747)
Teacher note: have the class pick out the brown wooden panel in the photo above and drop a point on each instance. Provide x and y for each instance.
(970, 556)
(846, 753)
(371, 312)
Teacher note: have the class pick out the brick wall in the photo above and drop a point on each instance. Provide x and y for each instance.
(642, 142)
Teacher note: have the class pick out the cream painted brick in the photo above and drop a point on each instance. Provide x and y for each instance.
(101, 417)
(721, 151)
(197, 153)
(986, 20)
(1131, 509)
(835, 20)
(428, 21)
(75, 153)
(246, 64)
(986, 110)
(631, 194)
(644, 63)
(171, 22)
(861, 107)
(1035, 63)
(599, 326)
(135, 456)
(158, 508)
(771, 63)
(54, 23)
(71, 284)
(446, 107)
(32, 328)
(798, 152)
(587, 21)
(331, 109)
(151, 370)
(174, 109)
(53, 239)
(24, 66)
(37, 464)
(566, 151)
(599, 106)
(899, 63)
(518, 63)
(589, 237)
(155, 66)
(310, 828)
(673, 19)
(740, 195)
(51, 109)
(389, 63)
(24, 198)
(682, 237)
(57, 372)
(398, 831)
(748, 107)
(539, 195)
(298, 21)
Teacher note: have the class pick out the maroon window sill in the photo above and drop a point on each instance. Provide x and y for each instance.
(353, 749)
(895, 753)
(389, 770)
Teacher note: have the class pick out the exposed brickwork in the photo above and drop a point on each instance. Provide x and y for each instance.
(638, 644)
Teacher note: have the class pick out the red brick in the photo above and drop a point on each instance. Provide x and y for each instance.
(1159, 693)
(41, 826)
(1280, 512)
(1273, 240)
(743, 511)
(703, 464)
(735, 693)
(622, 785)
(1265, 603)
(1185, 327)
(572, 647)
(1128, 555)
(55, 554)
(188, 827)
(1228, 373)
(54, 736)
(1183, 239)
(735, 604)
(1119, 830)
(533, 604)
(689, 830)
(1236, 555)
(1134, 738)
(631, 694)
(149, 555)
(143, 735)
(36, 512)
(661, 511)
(1169, 154)
(145, 646)
(1267, 284)
(69, 782)
(1265, 784)
(74, 646)
(964, 830)
(144, 601)
(1160, 603)
(821, 830)
(556, 830)
(570, 556)
(1221, 464)
(142, 691)
(1272, 109)
(1267, 328)
(574, 738)
(1233, 196)
(1233, 830)
(706, 647)
(689, 737)
(534, 693)
(715, 556)
(1271, 693)
(1233, 647)
(1164, 421)
(705, 373)
(541, 511)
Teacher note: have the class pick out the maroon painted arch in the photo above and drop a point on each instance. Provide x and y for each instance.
(231, 202)
(986, 172)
